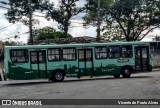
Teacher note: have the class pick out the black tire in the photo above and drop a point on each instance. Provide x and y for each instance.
(126, 72)
(116, 76)
(57, 76)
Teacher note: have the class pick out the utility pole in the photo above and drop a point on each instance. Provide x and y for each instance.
(98, 22)
(30, 22)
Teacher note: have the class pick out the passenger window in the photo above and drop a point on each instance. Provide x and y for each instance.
(85, 55)
(101, 52)
(126, 51)
(54, 55)
(38, 57)
(19, 56)
(69, 54)
(114, 52)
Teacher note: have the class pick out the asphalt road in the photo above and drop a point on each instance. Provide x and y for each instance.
(139, 86)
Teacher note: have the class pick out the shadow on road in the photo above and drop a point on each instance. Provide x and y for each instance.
(140, 77)
(68, 81)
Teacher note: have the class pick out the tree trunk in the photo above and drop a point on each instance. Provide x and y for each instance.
(65, 31)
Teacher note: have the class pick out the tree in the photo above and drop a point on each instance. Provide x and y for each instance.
(136, 18)
(10, 43)
(113, 33)
(133, 19)
(19, 11)
(67, 9)
(157, 38)
(48, 33)
(91, 10)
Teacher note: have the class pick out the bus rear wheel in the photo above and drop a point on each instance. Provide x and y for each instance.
(116, 76)
(126, 72)
(57, 76)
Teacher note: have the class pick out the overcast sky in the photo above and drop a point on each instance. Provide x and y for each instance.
(19, 28)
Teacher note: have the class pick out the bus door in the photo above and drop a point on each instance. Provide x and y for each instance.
(142, 58)
(85, 62)
(38, 64)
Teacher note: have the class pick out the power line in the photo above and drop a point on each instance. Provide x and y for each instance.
(6, 27)
(14, 36)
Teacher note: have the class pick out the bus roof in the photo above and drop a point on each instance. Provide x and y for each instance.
(78, 45)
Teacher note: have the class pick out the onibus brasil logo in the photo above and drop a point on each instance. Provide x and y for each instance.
(20, 102)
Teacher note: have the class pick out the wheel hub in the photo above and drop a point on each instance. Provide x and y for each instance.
(127, 72)
(58, 76)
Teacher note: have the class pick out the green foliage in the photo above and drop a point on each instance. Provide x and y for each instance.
(19, 11)
(67, 9)
(157, 38)
(92, 7)
(113, 33)
(132, 19)
(48, 33)
(9, 43)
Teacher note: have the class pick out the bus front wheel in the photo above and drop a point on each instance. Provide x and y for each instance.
(126, 72)
(57, 76)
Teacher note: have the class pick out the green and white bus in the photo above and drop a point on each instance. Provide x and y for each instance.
(55, 62)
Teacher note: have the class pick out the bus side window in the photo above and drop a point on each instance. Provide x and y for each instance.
(101, 52)
(69, 54)
(126, 51)
(54, 54)
(19, 55)
(114, 52)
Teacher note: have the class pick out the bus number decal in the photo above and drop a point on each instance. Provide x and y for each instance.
(107, 70)
(122, 60)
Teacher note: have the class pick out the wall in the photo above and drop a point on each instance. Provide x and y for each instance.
(155, 54)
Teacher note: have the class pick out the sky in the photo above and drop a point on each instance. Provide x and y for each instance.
(75, 30)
